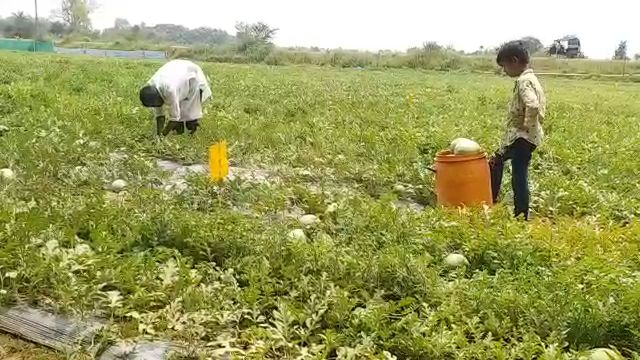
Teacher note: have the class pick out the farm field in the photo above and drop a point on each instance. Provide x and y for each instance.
(215, 267)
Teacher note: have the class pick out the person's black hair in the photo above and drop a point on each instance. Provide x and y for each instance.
(150, 96)
(513, 49)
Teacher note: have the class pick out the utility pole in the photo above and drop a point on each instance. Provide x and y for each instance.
(36, 35)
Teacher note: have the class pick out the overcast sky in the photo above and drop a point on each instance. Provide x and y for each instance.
(396, 25)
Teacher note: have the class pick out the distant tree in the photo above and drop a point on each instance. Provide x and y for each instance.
(533, 45)
(256, 33)
(75, 13)
(58, 29)
(254, 40)
(121, 24)
(19, 25)
(166, 33)
(431, 46)
(20, 16)
(621, 51)
(636, 57)
(134, 33)
(483, 51)
(169, 33)
(557, 48)
(208, 36)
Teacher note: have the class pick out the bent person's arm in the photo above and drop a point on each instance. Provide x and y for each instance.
(160, 119)
(172, 101)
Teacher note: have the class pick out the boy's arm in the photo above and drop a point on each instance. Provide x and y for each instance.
(531, 103)
(172, 101)
(158, 114)
(194, 87)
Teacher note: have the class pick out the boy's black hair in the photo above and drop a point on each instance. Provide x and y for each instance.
(513, 49)
(150, 97)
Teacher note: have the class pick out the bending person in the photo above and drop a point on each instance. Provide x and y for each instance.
(182, 86)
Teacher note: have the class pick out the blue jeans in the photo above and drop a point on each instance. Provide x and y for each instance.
(520, 155)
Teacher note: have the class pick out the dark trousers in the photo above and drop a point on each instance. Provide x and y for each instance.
(178, 127)
(520, 155)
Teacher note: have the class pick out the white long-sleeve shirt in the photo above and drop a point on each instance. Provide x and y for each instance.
(179, 83)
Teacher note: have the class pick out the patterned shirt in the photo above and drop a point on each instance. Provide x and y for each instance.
(526, 111)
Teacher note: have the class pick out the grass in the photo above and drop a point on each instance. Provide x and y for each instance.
(15, 349)
(213, 267)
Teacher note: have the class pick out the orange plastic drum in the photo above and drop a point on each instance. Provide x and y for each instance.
(463, 180)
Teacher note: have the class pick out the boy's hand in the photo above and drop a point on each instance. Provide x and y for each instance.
(160, 120)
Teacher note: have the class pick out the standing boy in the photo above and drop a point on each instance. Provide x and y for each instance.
(524, 126)
(183, 87)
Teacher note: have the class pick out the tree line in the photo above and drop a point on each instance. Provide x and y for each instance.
(71, 22)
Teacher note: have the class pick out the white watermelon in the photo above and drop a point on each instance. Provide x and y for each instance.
(456, 260)
(118, 185)
(308, 220)
(7, 174)
(465, 147)
(604, 354)
(297, 234)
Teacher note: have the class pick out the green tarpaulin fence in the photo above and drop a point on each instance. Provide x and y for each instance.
(26, 45)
